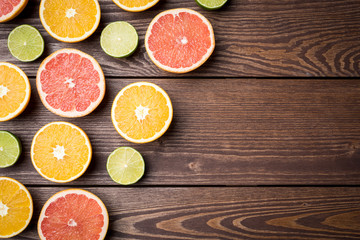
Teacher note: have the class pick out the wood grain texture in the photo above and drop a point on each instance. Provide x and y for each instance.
(222, 213)
(225, 132)
(253, 38)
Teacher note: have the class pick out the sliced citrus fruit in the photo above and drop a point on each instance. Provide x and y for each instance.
(11, 8)
(211, 4)
(14, 91)
(135, 5)
(119, 39)
(70, 83)
(141, 112)
(25, 43)
(73, 214)
(61, 152)
(179, 40)
(16, 207)
(10, 149)
(70, 20)
(125, 165)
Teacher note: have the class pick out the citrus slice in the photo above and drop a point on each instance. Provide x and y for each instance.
(16, 207)
(119, 39)
(10, 149)
(11, 8)
(211, 4)
(15, 91)
(179, 40)
(135, 5)
(61, 152)
(25, 43)
(125, 165)
(70, 20)
(141, 112)
(70, 83)
(73, 214)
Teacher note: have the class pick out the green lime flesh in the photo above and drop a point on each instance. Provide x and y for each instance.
(25, 43)
(10, 149)
(211, 4)
(125, 165)
(119, 39)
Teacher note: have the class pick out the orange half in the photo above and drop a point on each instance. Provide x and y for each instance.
(135, 5)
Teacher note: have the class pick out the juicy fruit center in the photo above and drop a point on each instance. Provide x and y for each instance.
(3, 91)
(70, 13)
(183, 40)
(141, 112)
(72, 223)
(3, 209)
(59, 152)
(70, 82)
(1, 149)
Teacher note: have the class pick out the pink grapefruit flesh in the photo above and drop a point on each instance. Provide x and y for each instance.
(70, 83)
(11, 8)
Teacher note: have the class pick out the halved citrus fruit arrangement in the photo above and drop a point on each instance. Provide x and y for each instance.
(141, 112)
(73, 214)
(11, 8)
(15, 91)
(135, 5)
(70, 20)
(61, 152)
(179, 40)
(16, 207)
(70, 83)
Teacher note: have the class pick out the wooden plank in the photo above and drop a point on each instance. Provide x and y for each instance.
(222, 213)
(225, 132)
(253, 38)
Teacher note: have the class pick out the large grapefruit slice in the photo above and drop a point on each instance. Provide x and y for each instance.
(70, 83)
(73, 214)
(179, 40)
(11, 8)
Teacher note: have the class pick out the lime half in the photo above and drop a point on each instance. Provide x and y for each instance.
(25, 43)
(10, 149)
(119, 39)
(211, 4)
(125, 165)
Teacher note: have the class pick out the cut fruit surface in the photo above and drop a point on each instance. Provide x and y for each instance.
(16, 207)
(14, 91)
(125, 165)
(73, 214)
(135, 5)
(141, 112)
(25, 43)
(11, 8)
(61, 152)
(179, 40)
(10, 149)
(70, 83)
(211, 4)
(70, 20)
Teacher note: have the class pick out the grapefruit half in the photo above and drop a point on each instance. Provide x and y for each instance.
(179, 40)
(11, 8)
(73, 214)
(70, 83)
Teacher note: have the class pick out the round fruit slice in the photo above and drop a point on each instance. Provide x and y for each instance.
(11, 8)
(70, 20)
(10, 149)
(73, 214)
(125, 165)
(70, 83)
(135, 5)
(179, 40)
(211, 4)
(14, 91)
(16, 207)
(61, 152)
(25, 43)
(119, 39)
(141, 112)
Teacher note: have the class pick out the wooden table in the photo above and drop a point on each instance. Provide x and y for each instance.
(265, 140)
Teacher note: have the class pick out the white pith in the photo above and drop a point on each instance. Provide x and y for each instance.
(3, 209)
(59, 152)
(141, 112)
(72, 223)
(1, 149)
(3, 91)
(136, 9)
(70, 13)
(10, 14)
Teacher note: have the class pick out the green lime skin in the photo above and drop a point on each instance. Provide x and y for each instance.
(10, 149)
(211, 4)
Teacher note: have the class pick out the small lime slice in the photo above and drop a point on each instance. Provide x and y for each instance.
(125, 165)
(25, 43)
(211, 4)
(119, 39)
(10, 149)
